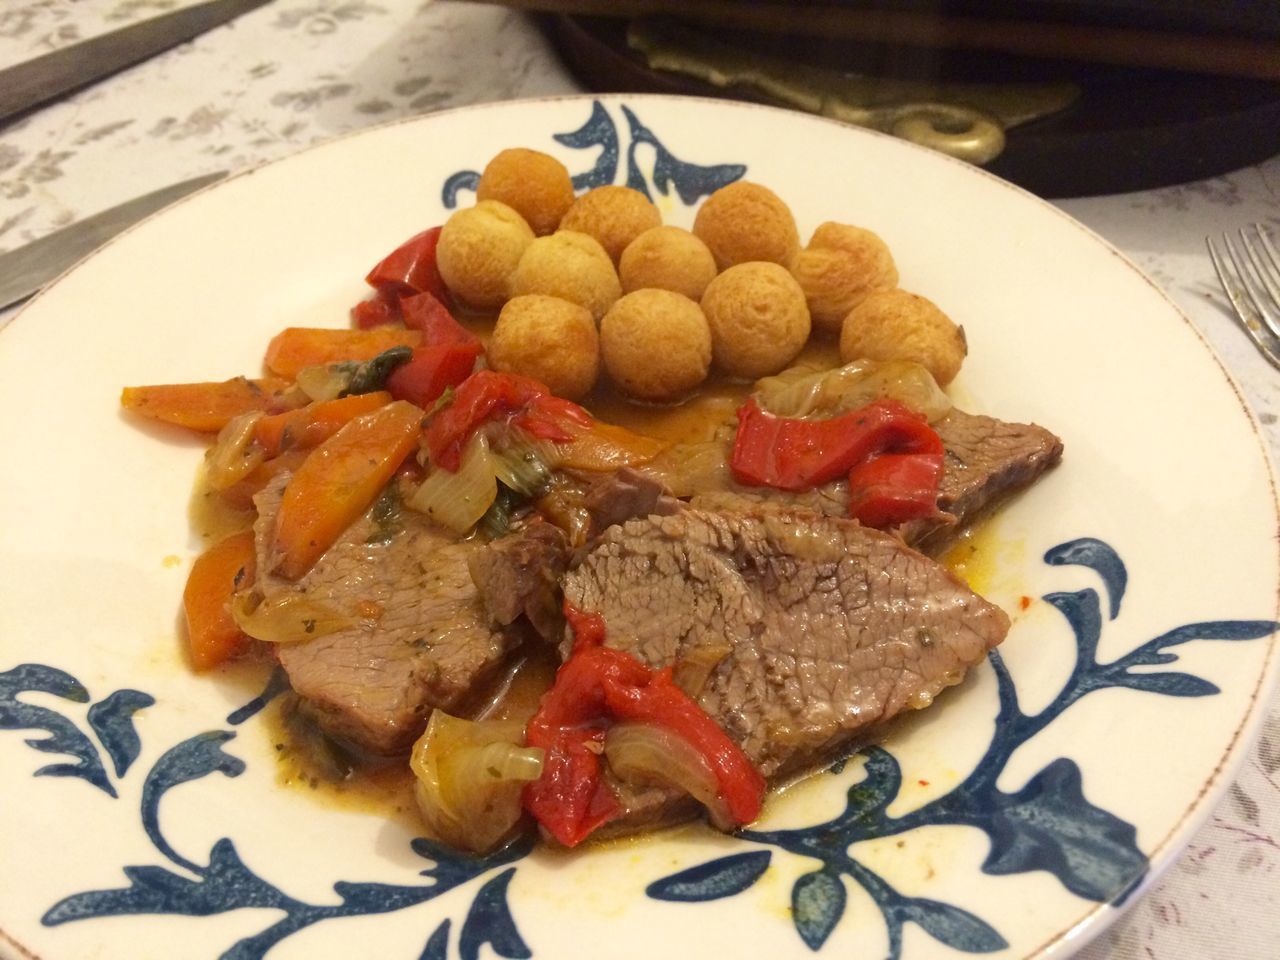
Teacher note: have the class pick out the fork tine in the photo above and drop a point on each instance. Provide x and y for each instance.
(1246, 316)
(1263, 257)
(1264, 305)
(1271, 258)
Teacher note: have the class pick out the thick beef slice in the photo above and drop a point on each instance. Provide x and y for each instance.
(519, 575)
(833, 628)
(986, 459)
(419, 637)
(620, 496)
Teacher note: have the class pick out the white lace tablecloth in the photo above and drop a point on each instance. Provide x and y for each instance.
(296, 72)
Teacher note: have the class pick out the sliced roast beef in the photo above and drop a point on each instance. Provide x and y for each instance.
(832, 628)
(986, 459)
(414, 633)
(519, 575)
(620, 496)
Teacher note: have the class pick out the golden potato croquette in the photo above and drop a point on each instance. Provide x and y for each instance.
(569, 265)
(667, 258)
(478, 252)
(745, 222)
(534, 184)
(549, 339)
(839, 267)
(758, 318)
(897, 325)
(613, 215)
(656, 344)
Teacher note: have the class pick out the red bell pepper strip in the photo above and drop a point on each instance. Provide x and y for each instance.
(554, 418)
(485, 396)
(382, 309)
(430, 371)
(792, 454)
(894, 488)
(410, 268)
(425, 312)
(594, 687)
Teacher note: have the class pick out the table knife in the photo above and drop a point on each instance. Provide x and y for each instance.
(27, 269)
(48, 77)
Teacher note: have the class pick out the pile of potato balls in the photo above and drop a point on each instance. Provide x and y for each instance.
(598, 280)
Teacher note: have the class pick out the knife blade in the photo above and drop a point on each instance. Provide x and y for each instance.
(30, 267)
(48, 77)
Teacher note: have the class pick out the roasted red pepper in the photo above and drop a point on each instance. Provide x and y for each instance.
(593, 688)
(792, 454)
(383, 308)
(486, 396)
(425, 312)
(895, 487)
(430, 371)
(410, 268)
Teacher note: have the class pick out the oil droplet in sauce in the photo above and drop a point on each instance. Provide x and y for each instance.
(990, 562)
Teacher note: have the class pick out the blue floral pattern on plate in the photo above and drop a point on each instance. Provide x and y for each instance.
(1047, 825)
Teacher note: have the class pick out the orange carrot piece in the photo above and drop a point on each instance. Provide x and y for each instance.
(315, 423)
(339, 481)
(294, 348)
(212, 633)
(607, 447)
(207, 407)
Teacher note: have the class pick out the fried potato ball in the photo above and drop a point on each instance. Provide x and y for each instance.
(613, 215)
(656, 344)
(839, 267)
(667, 258)
(549, 339)
(569, 265)
(758, 317)
(534, 184)
(745, 222)
(478, 252)
(897, 325)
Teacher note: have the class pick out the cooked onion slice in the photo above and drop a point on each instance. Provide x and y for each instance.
(470, 774)
(457, 501)
(521, 462)
(325, 381)
(643, 753)
(234, 455)
(291, 618)
(803, 392)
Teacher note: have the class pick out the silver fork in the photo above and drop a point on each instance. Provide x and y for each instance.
(1252, 284)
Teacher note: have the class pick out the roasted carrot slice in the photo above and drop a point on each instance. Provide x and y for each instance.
(212, 634)
(339, 481)
(294, 348)
(207, 407)
(607, 447)
(315, 423)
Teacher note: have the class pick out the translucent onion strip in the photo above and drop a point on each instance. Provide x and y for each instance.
(325, 381)
(643, 753)
(290, 618)
(457, 501)
(803, 392)
(470, 774)
(234, 455)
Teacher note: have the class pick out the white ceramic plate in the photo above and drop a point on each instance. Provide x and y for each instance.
(142, 817)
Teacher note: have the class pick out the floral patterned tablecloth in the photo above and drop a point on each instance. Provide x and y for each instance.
(296, 72)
